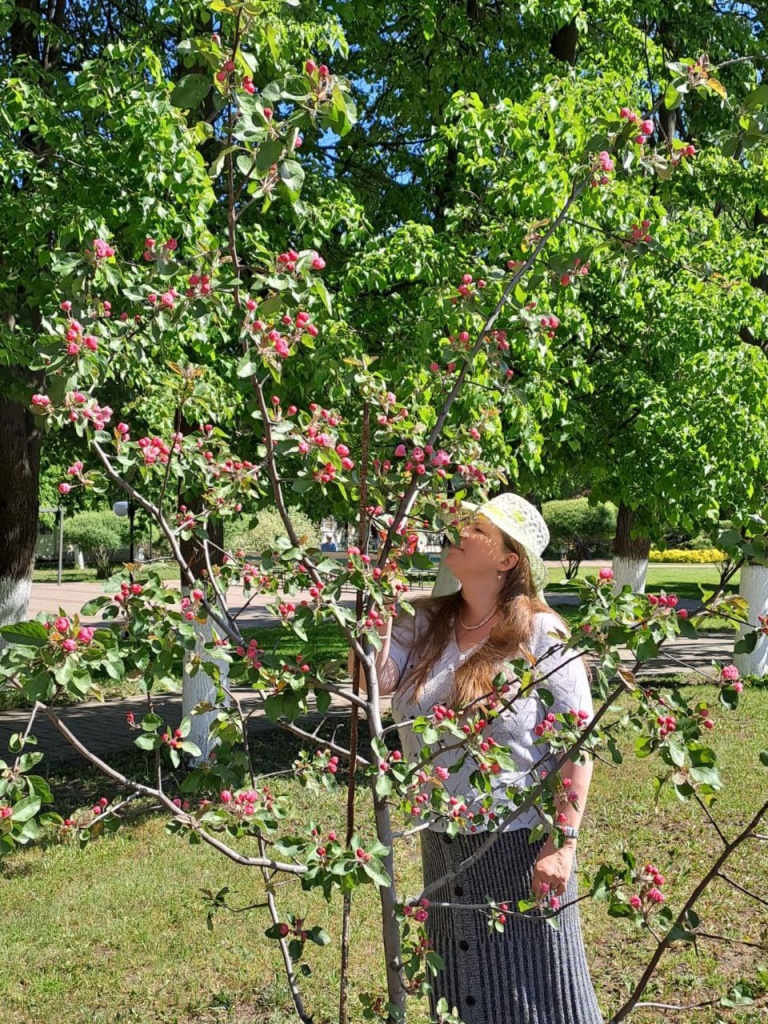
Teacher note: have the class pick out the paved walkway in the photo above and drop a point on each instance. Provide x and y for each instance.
(103, 728)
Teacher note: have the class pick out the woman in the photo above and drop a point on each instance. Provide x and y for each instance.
(487, 603)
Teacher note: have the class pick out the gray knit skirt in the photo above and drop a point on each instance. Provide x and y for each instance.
(527, 974)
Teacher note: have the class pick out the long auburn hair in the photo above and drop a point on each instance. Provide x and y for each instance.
(518, 605)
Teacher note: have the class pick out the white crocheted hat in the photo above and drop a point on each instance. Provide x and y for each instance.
(520, 520)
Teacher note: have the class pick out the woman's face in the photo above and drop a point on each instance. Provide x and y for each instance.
(481, 551)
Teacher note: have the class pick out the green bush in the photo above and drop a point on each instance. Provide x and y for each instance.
(98, 535)
(269, 527)
(577, 528)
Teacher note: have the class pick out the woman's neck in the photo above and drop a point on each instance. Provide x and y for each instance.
(476, 602)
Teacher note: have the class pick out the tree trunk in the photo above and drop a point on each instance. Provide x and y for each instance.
(198, 686)
(630, 556)
(562, 45)
(753, 586)
(19, 506)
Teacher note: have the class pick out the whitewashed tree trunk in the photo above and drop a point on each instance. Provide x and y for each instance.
(79, 558)
(629, 570)
(14, 599)
(753, 587)
(630, 554)
(199, 686)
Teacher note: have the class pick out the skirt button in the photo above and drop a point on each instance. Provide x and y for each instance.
(459, 891)
(464, 944)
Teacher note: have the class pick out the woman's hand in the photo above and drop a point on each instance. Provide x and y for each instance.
(553, 867)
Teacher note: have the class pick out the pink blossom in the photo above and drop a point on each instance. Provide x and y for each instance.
(65, 488)
(605, 161)
(605, 574)
(729, 672)
(61, 625)
(102, 249)
(43, 401)
(85, 635)
(69, 645)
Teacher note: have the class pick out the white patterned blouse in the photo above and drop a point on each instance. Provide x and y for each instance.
(569, 685)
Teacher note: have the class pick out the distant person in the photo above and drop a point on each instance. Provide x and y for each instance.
(329, 544)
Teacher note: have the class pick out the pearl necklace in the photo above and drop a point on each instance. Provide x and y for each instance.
(482, 621)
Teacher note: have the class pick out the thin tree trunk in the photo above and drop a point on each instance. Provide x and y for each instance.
(19, 507)
(630, 555)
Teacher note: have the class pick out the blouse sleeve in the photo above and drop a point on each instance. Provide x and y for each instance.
(566, 675)
(402, 639)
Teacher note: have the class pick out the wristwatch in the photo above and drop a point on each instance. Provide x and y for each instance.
(569, 831)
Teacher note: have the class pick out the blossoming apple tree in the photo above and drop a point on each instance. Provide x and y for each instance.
(397, 452)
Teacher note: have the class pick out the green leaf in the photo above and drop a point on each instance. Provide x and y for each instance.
(269, 153)
(672, 97)
(26, 808)
(148, 741)
(191, 91)
(26, 634)
(646, 649)
(383, 785)
(757, 98)
(246, 367)
(677, 752)
(375, 871)
(291, 174)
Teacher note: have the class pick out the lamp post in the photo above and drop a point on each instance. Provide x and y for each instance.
(126, 508)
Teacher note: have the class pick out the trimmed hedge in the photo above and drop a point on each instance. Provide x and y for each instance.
(269, 526)
(702, 555)
(99, 535)
(577, 526)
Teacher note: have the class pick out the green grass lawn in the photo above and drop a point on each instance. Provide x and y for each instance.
(116, 932)
(684, 579)
(166, 571)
